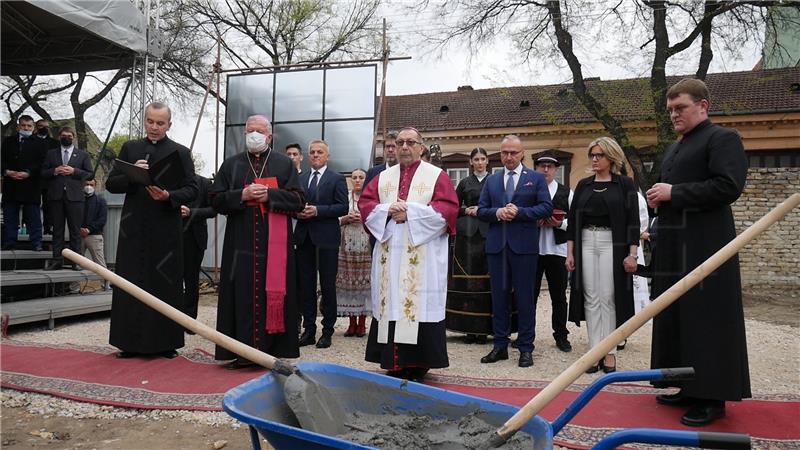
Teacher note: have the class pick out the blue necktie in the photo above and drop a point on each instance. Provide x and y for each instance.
(65, 158)
(510, 187)
(312, 188)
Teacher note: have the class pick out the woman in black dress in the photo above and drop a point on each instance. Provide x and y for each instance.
(469, 300)
(602, 242)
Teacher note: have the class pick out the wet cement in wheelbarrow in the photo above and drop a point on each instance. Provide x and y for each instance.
(408, 431)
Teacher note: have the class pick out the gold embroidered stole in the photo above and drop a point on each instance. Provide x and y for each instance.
(412, 258)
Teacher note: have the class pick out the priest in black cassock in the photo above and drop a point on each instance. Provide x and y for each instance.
(701, 175)
(150, 253)
(257, 190)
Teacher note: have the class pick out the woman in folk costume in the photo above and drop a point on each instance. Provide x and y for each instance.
(410, 209)
(469, 297)
(355, 261)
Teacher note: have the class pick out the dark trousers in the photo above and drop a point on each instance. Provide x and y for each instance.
(192, 260)
(552, 266)
(64, 211)
(47, 221)
(31, 213)
(310, 260)
(509, 270)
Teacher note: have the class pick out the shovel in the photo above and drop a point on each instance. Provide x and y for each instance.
(315, 407)
(571, 373)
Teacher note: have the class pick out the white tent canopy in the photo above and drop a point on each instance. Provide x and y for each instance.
(45, 37)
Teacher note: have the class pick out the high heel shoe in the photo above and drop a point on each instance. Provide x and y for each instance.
(595, 368)
(609, 369)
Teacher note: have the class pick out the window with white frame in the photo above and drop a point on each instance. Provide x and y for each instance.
(456, 175)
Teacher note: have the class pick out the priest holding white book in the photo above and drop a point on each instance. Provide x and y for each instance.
(410, 209)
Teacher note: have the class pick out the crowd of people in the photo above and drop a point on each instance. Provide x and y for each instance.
(52, 182)
(403, 246)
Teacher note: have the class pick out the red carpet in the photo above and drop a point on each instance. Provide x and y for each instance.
(194, 381)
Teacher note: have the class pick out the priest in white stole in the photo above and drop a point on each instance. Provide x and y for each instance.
(410, 209)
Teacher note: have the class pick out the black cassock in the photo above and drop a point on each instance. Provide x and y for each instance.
(703, 329)
(241, 309)
(150, 250)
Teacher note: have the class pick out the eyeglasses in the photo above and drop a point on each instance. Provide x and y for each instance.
(596, 156)
(505, 153)
(404, 143)
(678, 110)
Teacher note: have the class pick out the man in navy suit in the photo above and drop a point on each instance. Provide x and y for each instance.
(512, 201)
(317, 237)
(66, 168)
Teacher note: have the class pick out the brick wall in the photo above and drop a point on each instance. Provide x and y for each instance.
(772, 260)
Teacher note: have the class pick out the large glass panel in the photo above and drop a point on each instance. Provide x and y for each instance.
(298, 95)
(248, 95)
(234, 140)
(350, 142)
(350, 92)
(301, 133)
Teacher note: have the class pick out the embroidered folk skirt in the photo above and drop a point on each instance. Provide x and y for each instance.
(353, 280)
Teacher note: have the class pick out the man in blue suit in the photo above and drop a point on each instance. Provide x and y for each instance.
(317, 237)
(512, 201)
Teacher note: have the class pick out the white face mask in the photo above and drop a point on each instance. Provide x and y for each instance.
(88, 190)
(256, 142)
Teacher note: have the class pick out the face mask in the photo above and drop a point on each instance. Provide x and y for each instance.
(256, 142)
(43, 132)
(25, 133)
(66, 142)
(88, 190)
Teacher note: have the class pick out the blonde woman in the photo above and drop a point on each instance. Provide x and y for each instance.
(602, 243)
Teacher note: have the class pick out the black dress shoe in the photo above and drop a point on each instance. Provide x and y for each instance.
(239, 363)
(676, 399)
(324, 341)
(495, 355)
(480, 339)
(169, 354)
(469, 339)
(525, 359)
(704, 413)
(621, 345)
(54, 265)
(307, 338)
(564, 345)
(417, 374)
(122, 354)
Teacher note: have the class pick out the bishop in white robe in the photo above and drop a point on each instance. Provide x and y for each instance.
(410, 209)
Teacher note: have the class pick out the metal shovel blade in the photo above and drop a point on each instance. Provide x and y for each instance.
(316, 408)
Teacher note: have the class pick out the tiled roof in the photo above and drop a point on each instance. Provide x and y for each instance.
(731, 93)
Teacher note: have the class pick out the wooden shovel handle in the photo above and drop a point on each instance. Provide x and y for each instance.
(577, 368)
(245, 351)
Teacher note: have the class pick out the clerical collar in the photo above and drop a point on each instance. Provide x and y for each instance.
(158, 141)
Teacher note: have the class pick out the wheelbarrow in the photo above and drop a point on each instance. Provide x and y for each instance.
(260, 404)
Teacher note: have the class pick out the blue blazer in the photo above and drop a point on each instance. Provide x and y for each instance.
(331, 202)
(533, 201)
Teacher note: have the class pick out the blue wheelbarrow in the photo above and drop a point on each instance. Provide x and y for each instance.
(261, 405)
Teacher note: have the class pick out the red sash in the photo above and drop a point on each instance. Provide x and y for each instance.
(276, 264)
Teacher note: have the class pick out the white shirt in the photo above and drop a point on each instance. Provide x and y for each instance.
(517, 171)
(547, 239)
(321, 171)
(68, 150)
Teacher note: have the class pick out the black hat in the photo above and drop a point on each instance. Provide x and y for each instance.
(547, 156)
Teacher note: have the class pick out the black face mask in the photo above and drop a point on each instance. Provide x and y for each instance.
(43, 132)
(66, 142)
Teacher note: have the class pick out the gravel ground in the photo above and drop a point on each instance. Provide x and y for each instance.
(774, 352)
